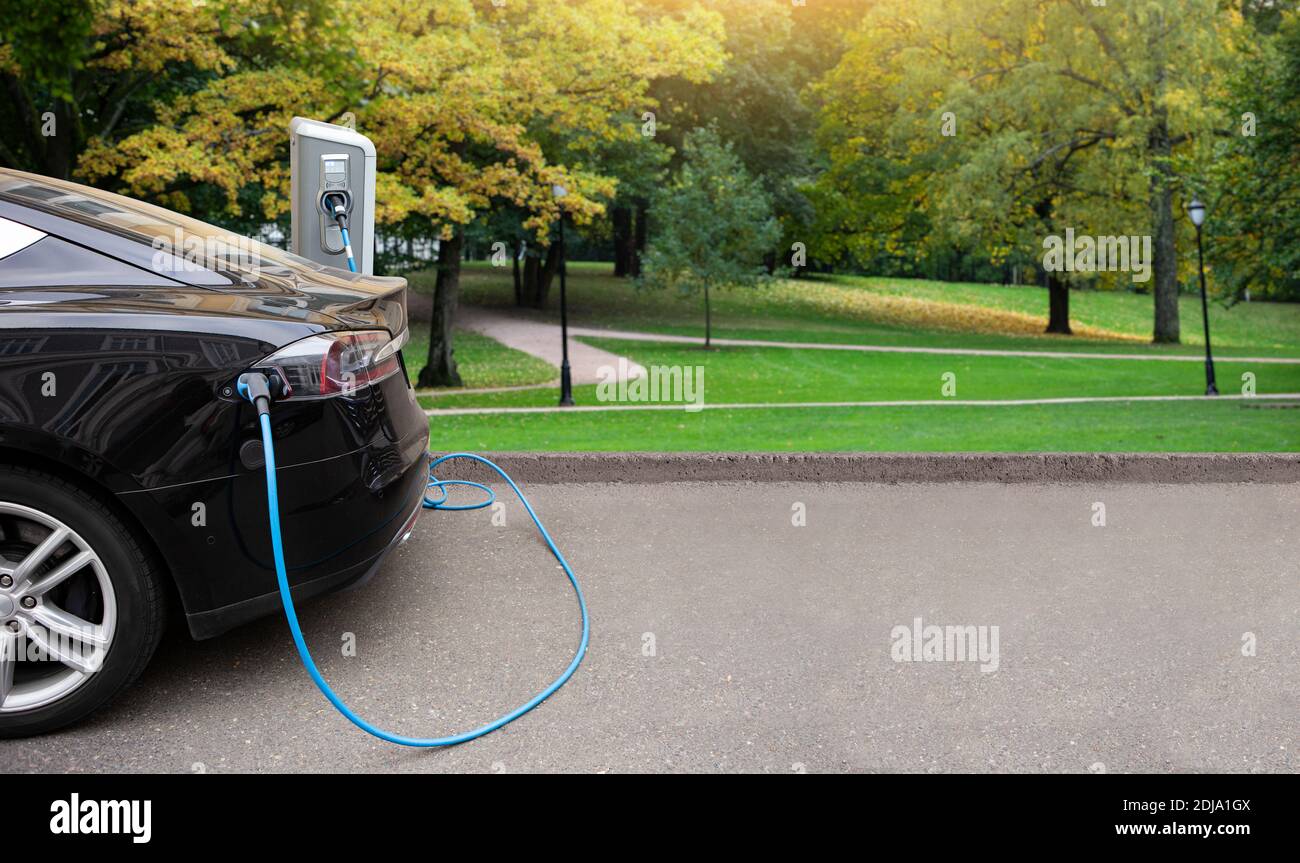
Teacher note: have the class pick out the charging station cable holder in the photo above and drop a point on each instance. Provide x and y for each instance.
(330, 160)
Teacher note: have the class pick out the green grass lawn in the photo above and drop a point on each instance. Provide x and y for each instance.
(745, 375)
(483, 362)
(857, 310)
(1118, 427)
(852, 310)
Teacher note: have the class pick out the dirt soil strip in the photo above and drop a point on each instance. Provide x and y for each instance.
(599, 467)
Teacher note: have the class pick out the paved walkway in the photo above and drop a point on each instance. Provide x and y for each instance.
(680, 406)
(541, 339)
(595, 332)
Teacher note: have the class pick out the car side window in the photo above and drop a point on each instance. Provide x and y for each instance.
(50, 262)
(14, 237)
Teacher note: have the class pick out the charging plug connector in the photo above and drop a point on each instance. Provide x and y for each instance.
(336, 205)
(255, 387)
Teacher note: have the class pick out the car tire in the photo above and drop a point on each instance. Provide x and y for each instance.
(134, 592)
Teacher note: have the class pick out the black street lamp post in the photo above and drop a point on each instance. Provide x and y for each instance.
(566, 377)
(1196, 210)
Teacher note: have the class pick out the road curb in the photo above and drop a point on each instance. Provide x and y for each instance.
(593, 467)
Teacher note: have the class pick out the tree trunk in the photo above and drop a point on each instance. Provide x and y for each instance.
(624, 242)
(641, 237)
(1165, 264)
(62, 147)
(708, 320)
(547, 275)
(518, 278)
(1058, 290)
(440, 370)
(1058, 305)
(528, 289)
(539, 273)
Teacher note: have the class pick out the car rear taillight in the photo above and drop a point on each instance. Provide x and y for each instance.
(337, 363)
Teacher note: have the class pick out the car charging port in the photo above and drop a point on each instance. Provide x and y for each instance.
(277, 385)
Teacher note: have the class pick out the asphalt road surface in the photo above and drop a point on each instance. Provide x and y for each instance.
(726, 638)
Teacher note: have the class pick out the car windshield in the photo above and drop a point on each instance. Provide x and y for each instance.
(182, 241)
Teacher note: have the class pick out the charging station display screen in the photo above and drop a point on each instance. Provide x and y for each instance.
(333, 165)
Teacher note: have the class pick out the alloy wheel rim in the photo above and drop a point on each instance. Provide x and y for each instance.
(46, 651)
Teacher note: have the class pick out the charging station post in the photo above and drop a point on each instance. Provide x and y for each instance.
(332, 190)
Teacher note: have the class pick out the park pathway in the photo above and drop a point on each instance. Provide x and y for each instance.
(542, 340)
(595, 332)
(1270, 400)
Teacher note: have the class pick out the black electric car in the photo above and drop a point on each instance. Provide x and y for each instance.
(131, 472)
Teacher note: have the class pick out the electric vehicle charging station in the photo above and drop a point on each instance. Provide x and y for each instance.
(332, 167)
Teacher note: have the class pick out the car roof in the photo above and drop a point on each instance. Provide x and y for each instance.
(130, 230)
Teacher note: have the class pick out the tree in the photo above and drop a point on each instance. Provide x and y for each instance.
(712, 225)
(456, 95)
(940, 144)
(1061, 113)
(85, 74)
(756, 102)
(1164, 62)
(641, 165)
(1250, 177)
(469, 91)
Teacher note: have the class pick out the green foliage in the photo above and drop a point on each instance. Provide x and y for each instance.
(758, 103)
(188, 104)
(1267, 15)
(45, 43)
(120, 76)
(1252, 181)
(712, 223)
(981, 128)
(1067, 114)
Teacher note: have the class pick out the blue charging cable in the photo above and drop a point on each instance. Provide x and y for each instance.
(341, 216)
(347, 247)
(256, 389)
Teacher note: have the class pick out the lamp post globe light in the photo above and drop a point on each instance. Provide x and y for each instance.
(1196, 211)
(566, 377)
